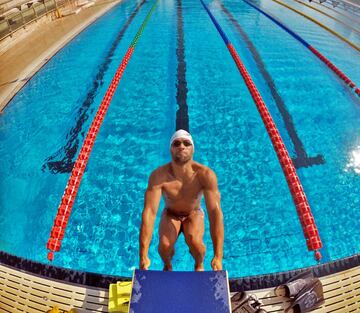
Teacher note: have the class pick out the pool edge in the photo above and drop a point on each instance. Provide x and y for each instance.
(35, 65)
(90, 279)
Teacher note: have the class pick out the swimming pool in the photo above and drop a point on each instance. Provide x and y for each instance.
(181, 60)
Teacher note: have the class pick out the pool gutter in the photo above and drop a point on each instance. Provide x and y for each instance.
(236, 284)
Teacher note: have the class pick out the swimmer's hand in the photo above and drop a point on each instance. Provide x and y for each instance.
(216, 263)
(145, 263)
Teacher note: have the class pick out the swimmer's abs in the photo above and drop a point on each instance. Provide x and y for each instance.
(182, 207)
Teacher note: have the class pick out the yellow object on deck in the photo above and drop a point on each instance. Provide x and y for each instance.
(119, 297)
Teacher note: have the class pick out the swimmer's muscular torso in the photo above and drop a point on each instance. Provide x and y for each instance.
(182, 196)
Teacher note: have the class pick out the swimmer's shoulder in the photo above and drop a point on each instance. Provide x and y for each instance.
(204, 173)
(159, 175)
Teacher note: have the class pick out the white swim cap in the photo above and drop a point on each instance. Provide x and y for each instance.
(181, 134)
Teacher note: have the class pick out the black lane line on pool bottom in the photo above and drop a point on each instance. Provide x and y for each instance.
(63, 161)
(301, 159)
(182, 117)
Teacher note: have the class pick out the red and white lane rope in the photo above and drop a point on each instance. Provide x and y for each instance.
(327, 62)
(68, 198)
(307, 221)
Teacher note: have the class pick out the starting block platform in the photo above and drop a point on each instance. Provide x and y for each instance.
(180, 292)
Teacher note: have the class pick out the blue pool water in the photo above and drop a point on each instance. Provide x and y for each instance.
(42, 127)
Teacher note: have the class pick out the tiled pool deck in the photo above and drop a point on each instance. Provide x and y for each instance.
(30, 52)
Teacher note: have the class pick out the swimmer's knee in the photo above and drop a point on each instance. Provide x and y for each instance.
(196, 244)
(165, 246)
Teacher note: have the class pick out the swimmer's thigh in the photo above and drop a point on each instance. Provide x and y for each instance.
(193, 228)
(169, 229)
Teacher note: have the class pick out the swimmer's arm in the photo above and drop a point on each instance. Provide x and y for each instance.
(212, 200)
(151, 205)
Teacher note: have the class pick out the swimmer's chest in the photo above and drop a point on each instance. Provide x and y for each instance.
(175, 189)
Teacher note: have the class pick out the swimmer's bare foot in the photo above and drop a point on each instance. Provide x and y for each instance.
(199, 267)
(167, 267)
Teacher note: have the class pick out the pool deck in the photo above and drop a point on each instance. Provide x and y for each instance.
(26, 292)
(28, 52)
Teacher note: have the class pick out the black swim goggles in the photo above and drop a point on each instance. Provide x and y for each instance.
(177, 143)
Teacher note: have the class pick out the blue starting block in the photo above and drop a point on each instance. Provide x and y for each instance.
(180, 292)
